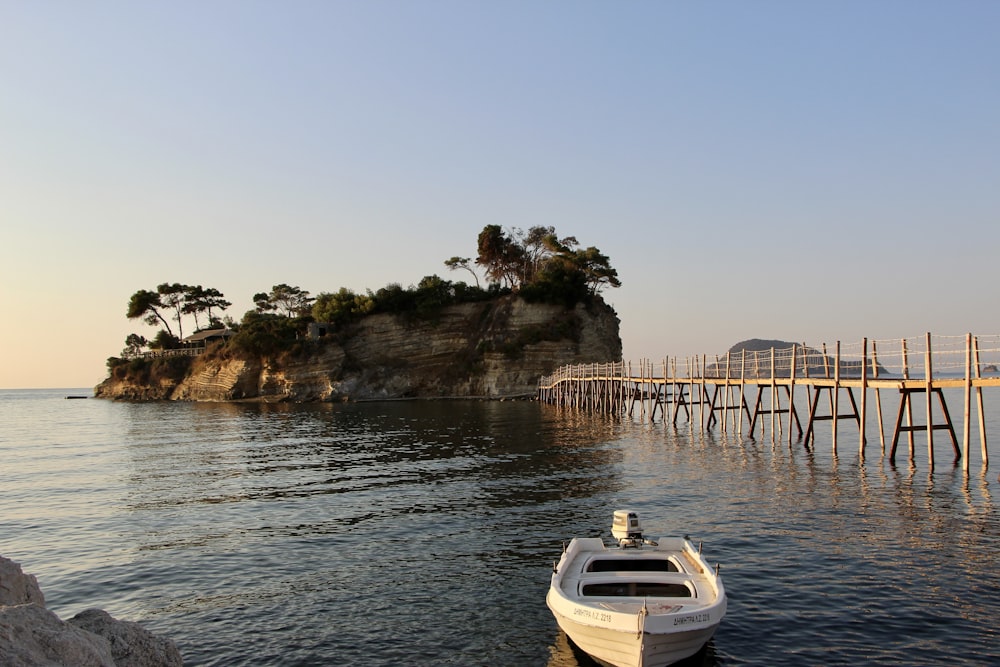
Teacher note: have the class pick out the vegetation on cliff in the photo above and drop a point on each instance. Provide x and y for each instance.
(537, 265)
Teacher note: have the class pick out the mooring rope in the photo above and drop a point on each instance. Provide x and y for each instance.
(643, 613)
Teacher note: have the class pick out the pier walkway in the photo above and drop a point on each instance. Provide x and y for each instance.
(755, 391)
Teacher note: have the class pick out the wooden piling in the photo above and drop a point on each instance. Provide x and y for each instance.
(979, 399)
(836, 397)
(864, 396)
(928, 377)
(791, 393)
(967, 402)
(878, 398)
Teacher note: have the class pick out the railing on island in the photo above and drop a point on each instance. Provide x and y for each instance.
(178, 352)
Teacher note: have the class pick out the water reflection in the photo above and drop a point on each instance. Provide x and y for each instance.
(387, 458)
(564, 653)
(356, 520)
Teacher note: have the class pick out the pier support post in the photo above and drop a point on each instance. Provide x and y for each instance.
(864, 396)
(979, 400)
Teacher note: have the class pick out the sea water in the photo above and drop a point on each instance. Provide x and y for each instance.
(423, 532)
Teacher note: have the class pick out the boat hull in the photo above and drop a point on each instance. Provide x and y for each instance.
(621, 649)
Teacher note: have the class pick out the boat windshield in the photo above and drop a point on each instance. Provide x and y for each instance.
(638, 589)
(631, 565)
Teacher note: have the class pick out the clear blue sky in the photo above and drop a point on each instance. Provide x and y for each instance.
(810, 171)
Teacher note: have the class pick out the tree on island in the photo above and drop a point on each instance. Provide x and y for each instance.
(181, 300)
(284, 299)
(540, 265)
(499, 255)
(591, 262)
(173, 298)
(200, 300)
(461, 263)
(133, 345)
(146, 304)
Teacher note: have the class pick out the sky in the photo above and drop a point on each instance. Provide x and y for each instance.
(802, 171)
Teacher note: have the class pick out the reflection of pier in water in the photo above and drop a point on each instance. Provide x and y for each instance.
(717, 392)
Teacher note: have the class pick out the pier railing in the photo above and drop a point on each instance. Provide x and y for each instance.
(715, 388)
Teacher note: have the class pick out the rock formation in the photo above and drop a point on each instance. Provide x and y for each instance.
(32, 636)
(496, 348)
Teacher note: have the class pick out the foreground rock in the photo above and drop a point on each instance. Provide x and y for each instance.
(32, 636)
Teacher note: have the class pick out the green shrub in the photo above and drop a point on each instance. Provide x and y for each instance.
(164, 341)
(558, 284)
(264, 334)
(394, 299)
(342, 307)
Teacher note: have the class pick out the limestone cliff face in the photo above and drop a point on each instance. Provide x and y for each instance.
(497, 348)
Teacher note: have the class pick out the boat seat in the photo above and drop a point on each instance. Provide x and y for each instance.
(651, 584)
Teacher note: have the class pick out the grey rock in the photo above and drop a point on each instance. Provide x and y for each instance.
(33, 636)
(16, 587)
(131, 644)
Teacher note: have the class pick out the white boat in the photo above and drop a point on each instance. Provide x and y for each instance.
(638, 603)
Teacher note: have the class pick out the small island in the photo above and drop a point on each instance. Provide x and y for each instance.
(541, 309)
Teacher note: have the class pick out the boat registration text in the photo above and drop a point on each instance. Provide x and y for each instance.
(593, 614)
(694, 618)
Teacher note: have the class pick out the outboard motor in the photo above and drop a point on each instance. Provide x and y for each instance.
(625, 526)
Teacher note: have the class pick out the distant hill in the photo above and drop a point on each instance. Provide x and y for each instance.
(761, 345)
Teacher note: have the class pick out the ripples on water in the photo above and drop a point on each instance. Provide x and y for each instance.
(423, 532)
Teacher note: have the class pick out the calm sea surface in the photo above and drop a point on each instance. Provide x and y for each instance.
(422, 533)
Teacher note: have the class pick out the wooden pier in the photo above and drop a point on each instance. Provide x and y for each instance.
(752, 391)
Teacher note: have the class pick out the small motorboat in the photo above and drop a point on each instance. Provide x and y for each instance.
(639, 602)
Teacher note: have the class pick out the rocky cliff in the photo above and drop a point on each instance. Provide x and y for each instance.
(497, 348)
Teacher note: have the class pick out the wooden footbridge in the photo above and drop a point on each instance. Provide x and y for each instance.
(751, 391)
